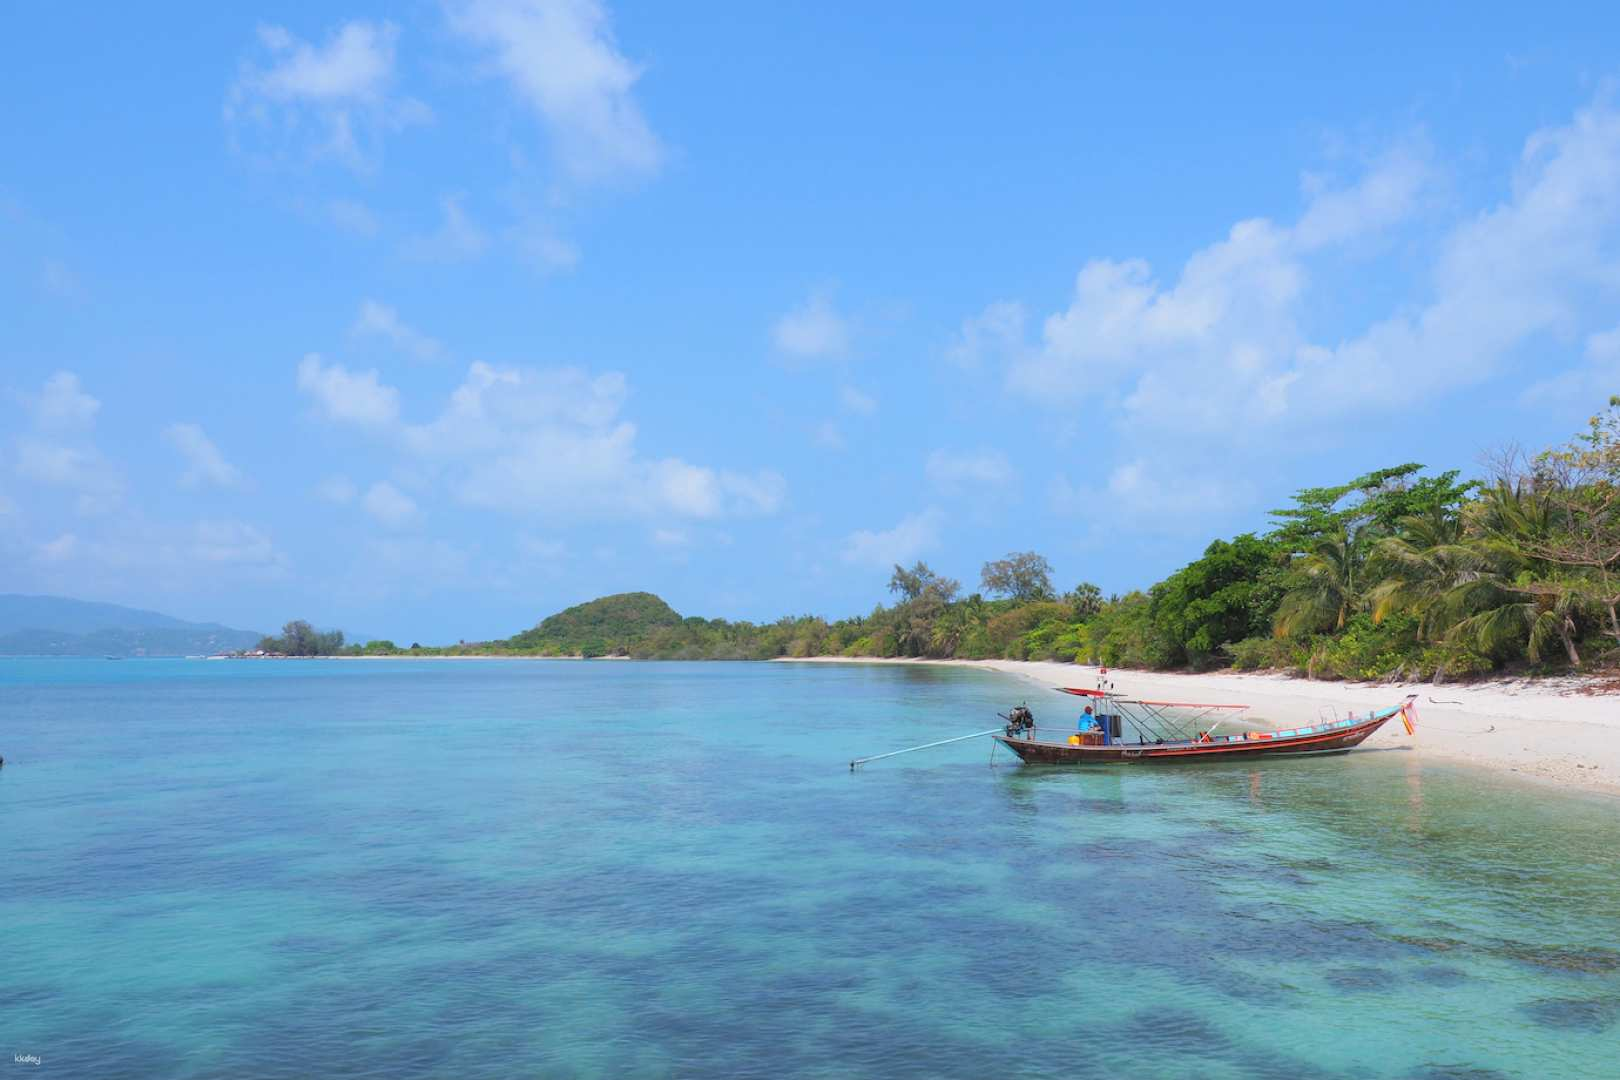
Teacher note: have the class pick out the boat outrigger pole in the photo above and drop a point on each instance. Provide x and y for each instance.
(924, 746)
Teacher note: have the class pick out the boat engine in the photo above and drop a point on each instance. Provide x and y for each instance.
(1019, 721)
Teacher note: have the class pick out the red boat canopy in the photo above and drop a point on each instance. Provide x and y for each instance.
(1133, 701)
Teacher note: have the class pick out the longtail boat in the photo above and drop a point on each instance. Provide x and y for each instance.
(1128, 731)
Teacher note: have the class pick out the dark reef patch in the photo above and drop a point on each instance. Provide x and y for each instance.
(1574, 1014)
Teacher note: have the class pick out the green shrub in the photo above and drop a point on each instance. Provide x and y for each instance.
(1260, 653)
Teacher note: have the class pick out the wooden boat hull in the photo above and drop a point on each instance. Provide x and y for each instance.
(1337, 737)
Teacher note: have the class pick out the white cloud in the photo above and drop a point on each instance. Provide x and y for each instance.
(115, 545)
(1226, 347)
(321, 100)
(671, 538)
(337, 489)
(164, 557)
(63, 405)
(350, 397)
(59, 466)
(914, 535)
(204, 463)
(525, 440)
(854, 401)
(760, 492)
(389, 505)
(80, 469)
(1219, 343)
(1585, 385)
(994, 335)
(1604, 346)
(458, 239)
(812, 331)
(561, 59)
(379, 320)
(953, 472)
(61, 454)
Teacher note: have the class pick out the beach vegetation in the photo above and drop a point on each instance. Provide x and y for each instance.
(1024, 576)
(299, 638)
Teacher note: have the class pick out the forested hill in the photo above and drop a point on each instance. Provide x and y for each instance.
(610, 625)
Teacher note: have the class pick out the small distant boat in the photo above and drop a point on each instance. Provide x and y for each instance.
(1129, 731)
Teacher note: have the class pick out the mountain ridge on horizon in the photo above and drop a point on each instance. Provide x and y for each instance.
(40, 625)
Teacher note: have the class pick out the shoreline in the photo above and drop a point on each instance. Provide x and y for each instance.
(1544, 731)
(400, 656)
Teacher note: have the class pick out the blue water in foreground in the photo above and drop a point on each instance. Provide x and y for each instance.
(524, 869)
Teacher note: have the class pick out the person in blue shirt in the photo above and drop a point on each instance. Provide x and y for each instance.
(1090, 721)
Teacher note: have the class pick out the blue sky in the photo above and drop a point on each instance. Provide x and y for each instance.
(425, 321)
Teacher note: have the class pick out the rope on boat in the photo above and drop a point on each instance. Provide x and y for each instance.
(924, 746)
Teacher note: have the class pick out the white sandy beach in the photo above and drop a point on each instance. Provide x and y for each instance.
(1544, 730)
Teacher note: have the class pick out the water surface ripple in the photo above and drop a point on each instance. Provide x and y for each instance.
(493, 869)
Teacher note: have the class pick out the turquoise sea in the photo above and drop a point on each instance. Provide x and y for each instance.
(402, 869)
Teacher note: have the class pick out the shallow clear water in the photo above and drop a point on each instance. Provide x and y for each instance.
(497, 869)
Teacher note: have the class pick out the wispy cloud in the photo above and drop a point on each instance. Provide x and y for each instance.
(458, 238)
(205, 465)
(62, 404)
(329, 100)
(541, 441)
(561, 59)
(993, 336)
(914, 535)
(812, 331)
(356, 397)
(378, 320)
(953, 472)
(60, 451)
(1226, 346)
(389, 505)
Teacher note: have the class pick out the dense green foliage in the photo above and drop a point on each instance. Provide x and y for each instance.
(611, 625)
(1390, 575)
(298, 638)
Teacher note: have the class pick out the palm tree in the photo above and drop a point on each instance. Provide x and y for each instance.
(1324, 589)
(1419, 566)
(1535, 615)
(1504, 592)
